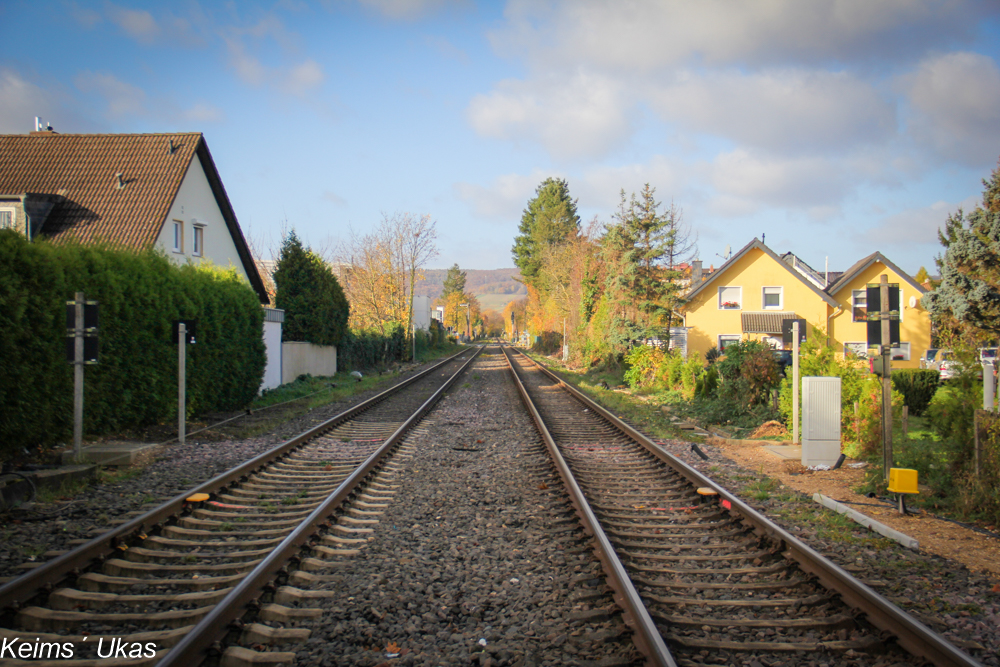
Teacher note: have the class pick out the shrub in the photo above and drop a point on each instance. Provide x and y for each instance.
(644, 364)
(372, 349)
(748, 372)
(867, 428)
(135, 383)
(917, 387)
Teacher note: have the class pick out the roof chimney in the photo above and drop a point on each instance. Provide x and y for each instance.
(696, 272)
(121, 183)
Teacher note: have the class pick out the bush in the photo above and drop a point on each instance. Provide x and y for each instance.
(867, 428)
(644, 364)
(917, 387)
(135, 383)
(748, 373)
(372, 349)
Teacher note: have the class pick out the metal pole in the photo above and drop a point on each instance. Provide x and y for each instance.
(414, 342)
(795, 382)
(988, 385)
(78, 377)
(886, 380)
(181, 380)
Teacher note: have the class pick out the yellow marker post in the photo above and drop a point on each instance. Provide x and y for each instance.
(901, 482)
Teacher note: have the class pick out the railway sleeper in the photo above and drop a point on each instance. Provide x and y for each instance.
(211, 525)
(279, 613)
(97, 582)
(759, 555)
(829, 623)
(202, 513)
(327, 552)
(728, 545)
(258, 633)
(290, 595)
(769, 603)
(40, 618)
(726, 586)
(71, 599)
(237, 656)
(208, 537)
(215, 534)
(766, 569)
(310, 565)
(123, 568)
(142, 555)
(866, 644)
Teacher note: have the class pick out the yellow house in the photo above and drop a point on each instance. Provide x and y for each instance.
(750, 296)
(848, 328)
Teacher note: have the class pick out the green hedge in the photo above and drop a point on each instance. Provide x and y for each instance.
(135, 383)
(371, 349)
(917, 387)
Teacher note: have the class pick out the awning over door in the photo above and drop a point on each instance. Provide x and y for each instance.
(767, 322)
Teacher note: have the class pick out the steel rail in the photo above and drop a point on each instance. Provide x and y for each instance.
(14, 594)
(192, 649)
(911, 634)
(646, 638)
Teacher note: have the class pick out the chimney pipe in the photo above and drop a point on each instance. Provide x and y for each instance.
(121, 183)
(696, 272)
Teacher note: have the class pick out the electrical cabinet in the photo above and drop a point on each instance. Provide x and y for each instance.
(820, 420)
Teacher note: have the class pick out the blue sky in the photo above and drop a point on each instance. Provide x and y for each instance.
(835, 128)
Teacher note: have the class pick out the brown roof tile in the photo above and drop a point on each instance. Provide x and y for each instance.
(83, 167)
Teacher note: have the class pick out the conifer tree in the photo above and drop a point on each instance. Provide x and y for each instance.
(969, 292)
(316, 310)
(454, 281)
(550, 216)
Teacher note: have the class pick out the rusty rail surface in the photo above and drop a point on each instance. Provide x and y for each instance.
(913, 636)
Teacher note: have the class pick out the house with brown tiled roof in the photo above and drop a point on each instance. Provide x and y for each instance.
(132, 190)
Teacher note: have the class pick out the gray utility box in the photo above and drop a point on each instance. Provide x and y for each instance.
(820, 421)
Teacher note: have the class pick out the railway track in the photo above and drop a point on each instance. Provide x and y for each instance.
(224, 569)
(704, 578)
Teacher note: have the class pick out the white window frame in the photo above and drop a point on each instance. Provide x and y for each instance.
(179, 236)
(738, 300)
(763, 297)
(775, 342)
(198, 232)
(901, 353)
(855, 305)
(732, 338)
(13, 217)
(858, 348)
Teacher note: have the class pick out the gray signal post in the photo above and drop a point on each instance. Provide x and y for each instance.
(886, 351)
(78, 304)
(181, 380)
(795, 382)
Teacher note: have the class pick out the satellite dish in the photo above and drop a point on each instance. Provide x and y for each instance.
(728, 251)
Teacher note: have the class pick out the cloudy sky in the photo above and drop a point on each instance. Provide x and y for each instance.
(835, 128)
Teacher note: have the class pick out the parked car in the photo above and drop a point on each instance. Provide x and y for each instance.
(930, 360)
(784, 359)
(988, 354)
(949, 366)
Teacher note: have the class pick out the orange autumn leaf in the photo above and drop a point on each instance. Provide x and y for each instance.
(392, 647)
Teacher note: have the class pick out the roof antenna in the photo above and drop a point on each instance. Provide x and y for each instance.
(762, 237)
(121, 183)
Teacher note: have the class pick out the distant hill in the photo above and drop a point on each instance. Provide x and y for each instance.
(494, 288)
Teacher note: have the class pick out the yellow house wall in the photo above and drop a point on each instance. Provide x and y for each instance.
(752, 272)
(914, 326)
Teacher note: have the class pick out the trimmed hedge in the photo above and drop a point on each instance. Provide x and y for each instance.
(917, 385)
(135, 383)
(371, 349)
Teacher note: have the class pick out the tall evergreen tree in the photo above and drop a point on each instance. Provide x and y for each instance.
(550, 216)
(643, 247)
(454, 281)
(969, 292)
(316, 310)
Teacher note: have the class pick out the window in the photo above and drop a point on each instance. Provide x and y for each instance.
(772, 298)
(725, 340)
(199, 240)
(7, 218)
(774, 342)
(859, 305)
(178, 236)
(859, 350)
(730, 297)
(901, 353)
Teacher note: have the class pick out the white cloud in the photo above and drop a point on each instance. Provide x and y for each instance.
(409, 9)
(600, 187)
(203, 113)
(302, 77)
(504, 199)
(956, 100)
(334, 198)
(121, 99)
(917, 226)
(20, 102)
(788, 111)
(137, 23)
(580, 116)
(747, 183)
(640, 35)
